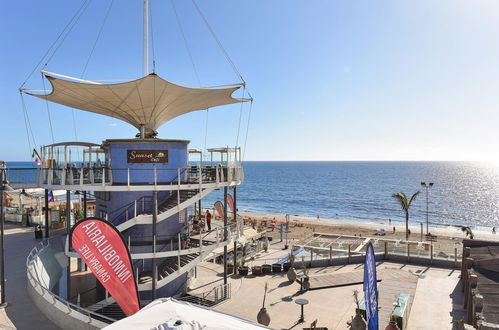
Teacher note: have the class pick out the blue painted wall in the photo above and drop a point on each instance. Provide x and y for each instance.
(143, 173)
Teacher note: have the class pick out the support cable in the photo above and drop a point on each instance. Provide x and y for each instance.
(83, 5)
(240, 116)
(247, 126)
(185, 42)
(99, 33)
(227, 57)
(67, 32)
(48, 112)
(25, 121)
(97, 39)
(196, 73)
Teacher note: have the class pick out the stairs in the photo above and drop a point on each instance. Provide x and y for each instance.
(168, 267)
(168, 208)
(172, 201)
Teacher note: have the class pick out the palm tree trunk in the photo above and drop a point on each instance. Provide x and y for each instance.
(407, 225)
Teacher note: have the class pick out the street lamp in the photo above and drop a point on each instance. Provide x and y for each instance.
(4, 186)
(426, 185)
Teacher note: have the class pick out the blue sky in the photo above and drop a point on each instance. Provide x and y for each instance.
(332, 80)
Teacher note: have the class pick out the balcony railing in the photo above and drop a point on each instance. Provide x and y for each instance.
(106, 176)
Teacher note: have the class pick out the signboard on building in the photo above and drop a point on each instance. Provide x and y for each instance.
(147, 156)
(103, 249)
(371, 289)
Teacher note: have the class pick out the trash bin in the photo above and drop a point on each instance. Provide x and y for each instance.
(38, 232)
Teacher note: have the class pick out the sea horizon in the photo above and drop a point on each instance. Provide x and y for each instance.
(360, 191)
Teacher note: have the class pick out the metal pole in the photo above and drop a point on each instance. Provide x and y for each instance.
(427, 231)
(2, 245)
(154, 221)
(225, 234)
(46, 213)
(84, 204)
(235, 210)
(235, 257)
(421, 231)
(146, 37)
(68, 230)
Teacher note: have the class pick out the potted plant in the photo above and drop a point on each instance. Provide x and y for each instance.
(291, 271)
(243, 270)
(358, 322)
(256, 270)
(306, 279)
(266, 269)
(263, 316)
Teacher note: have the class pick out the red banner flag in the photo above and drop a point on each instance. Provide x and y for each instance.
(230, 202)
(104, 250)
(220, 209)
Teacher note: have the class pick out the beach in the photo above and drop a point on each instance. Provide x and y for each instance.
(301, 227)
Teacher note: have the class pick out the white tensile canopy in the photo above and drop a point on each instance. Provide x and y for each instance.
(168, 313)
(147, 103)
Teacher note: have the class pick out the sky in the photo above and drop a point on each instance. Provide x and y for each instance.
(331, 80)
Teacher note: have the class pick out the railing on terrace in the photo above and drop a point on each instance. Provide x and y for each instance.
(33, 277)
(103, 175)
(430, 251)
(209, 298)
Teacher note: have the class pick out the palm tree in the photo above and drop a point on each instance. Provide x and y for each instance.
(405, 204)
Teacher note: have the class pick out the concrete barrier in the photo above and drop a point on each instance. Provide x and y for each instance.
(60, 312)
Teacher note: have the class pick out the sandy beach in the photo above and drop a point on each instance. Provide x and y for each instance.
(302, 227)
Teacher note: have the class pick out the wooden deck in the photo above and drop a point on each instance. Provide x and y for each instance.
(391, 283)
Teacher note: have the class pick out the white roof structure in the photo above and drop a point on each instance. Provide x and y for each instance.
(168, 313)
(147, 103)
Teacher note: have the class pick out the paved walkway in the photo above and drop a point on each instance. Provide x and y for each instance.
(20, 313)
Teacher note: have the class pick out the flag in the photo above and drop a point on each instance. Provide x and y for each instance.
(371, 289)
(230, 202)
(51, 196)
(220, 209)
(36, 157)
(103, 249)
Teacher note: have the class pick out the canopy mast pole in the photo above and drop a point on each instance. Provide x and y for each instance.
(146, 53)
(146, 37)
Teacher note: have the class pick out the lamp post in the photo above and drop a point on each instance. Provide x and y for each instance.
(426, 185)
(4, 186)
(287, 226)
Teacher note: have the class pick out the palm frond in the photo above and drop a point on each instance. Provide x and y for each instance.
(413, 198)
(401, 198)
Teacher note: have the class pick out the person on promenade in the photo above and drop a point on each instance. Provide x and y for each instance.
(208, 219)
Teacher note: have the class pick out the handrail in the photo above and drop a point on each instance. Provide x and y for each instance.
(30, 258)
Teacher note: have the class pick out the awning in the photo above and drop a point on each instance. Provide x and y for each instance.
(168, 313)
(149, 101)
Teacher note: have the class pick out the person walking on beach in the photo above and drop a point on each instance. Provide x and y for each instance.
(394, 229)
(208, 219)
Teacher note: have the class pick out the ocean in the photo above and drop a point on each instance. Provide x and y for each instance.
(464, 193)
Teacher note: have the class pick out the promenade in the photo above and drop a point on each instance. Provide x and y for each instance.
(20, 313)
